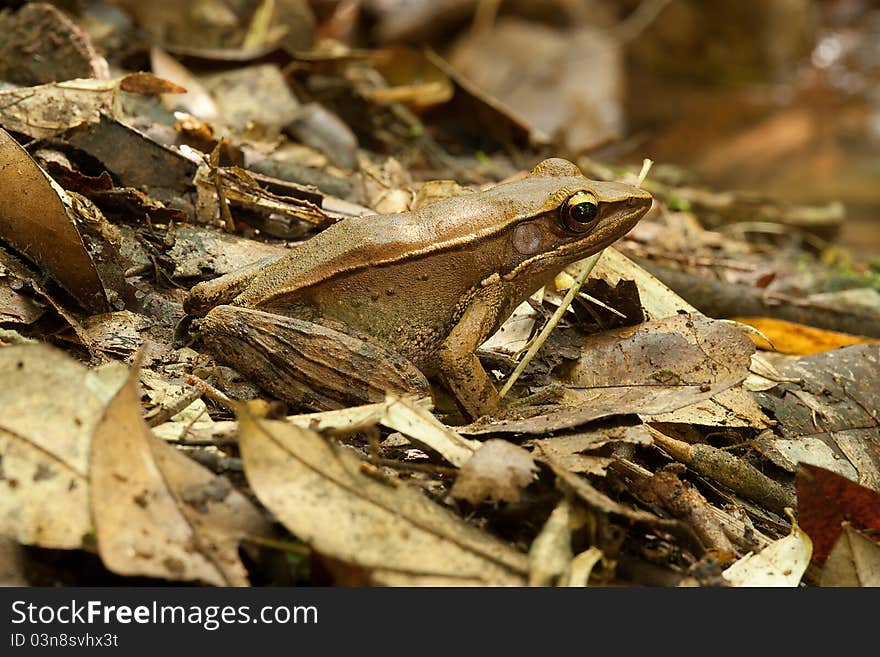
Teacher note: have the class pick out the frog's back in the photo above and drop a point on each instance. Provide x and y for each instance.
(356, 244)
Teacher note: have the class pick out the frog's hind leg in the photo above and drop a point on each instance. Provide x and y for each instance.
(306, 363)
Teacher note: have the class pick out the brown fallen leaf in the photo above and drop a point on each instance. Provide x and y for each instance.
(686, 350)
(829, 409)
(497, 471)
(653, 368)
(573, 451)
(253, 95)
(12, 567)
(47, 110)
(412, 78)
(156, 512)
(15, 306)
(36, 218)
(391, 530)
(544, 83)
(49, 406)
(196, 100)
(854, 561)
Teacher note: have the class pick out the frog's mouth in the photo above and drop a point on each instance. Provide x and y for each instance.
(617, 219)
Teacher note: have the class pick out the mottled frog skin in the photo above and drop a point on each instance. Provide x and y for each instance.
(379, 303)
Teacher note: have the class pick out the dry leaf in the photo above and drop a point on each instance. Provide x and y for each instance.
(834, 400)
(793, 338)
(497, 471)
(36, 220)
(393, 531)
(653, 368)
(253, 95)
(550, 554)
(49, 406)
(195, 100)
(572, 451)
(657, 299)
(782, 563)
(156, 512)
(419, 424)
(12, 570)
(581, 567)
(854, 561)
(734, 407)
(49, 109)
(827, 502)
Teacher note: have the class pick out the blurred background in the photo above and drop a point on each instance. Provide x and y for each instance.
(778, 98)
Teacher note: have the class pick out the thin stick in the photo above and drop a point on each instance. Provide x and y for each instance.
(589, 263)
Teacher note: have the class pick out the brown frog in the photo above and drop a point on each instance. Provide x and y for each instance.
(379, 303)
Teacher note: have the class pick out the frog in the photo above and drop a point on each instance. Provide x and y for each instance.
(384, 304)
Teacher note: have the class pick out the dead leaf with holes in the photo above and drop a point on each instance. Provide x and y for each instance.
(156, 512)
(382, 526)
(49, 406)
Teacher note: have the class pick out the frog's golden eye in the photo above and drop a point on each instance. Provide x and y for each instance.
(580, 211)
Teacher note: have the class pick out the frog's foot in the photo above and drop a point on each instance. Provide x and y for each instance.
(307, 363)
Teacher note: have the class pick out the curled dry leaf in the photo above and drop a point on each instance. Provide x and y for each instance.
(49, 406)
(35, 219)
(497, 471)
(417, 422)
(391, 530)
(156, 512)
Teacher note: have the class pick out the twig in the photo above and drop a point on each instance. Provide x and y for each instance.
(212, 393)
(551, 324)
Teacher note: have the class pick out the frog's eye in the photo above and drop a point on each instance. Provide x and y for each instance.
(580, 212)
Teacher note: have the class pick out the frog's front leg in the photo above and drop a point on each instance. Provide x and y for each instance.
(307, 363)
(459, 368)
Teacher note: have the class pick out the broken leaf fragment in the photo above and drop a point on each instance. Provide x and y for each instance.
(498, 471)
(317, 489)
(156, 512)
